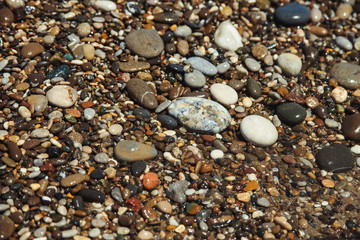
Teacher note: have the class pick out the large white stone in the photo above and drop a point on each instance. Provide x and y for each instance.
(258, 130)
(227, 36)
(105, 5)
(223, 94)
(200, 115)
(62, 96)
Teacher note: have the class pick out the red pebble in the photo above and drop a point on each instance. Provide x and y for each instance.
(48, 166)
(134, 203)
(150, 180)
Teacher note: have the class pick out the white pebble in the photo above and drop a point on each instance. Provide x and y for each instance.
(217, 153)
(227, 36)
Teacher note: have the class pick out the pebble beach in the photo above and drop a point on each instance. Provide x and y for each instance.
(187, 119)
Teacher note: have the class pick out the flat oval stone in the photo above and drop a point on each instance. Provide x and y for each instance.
(227, 36)
(253, 88)
(292, 14)
(183, 31)
(73, 180)
(195, 79)
(92, 195)
(202, 65)
(166, 17)
(291, 113)
(14, 151)
(343, 43)
(346, 74)
(336, 158)
(224, 94)
(105, 5)
(38, 102)
(7, 227)
(258, 130)
(62, 96)
(200, 115)
(130, 151)
(290, 64)
(31, 50)
(133, 66)
(145, 42)
(167, 121)
(351, 127)
(141, 92)
(6, 16)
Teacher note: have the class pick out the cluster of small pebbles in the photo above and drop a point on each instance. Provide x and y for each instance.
(159, 119)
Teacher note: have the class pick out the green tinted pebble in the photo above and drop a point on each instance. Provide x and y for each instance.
(70, 118)
(66, 149)
(340, 108)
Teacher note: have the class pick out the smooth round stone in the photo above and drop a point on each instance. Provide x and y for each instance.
(195, 79)
(183, 31)
(99, 223)
(92, 195)
(343, 43)
(142, 113)
(346, 74)
(40, 232)
(315, 15)
(137, 168)
(145, 42)
(252, 64)
(141, 92)
(335, 158)
(89, 51)
(339, 94)
(6, 16)
(290, 64)
(263, 202)
(84, 29)
(133, 66)
(115, 129)
(227, 36)
(89, 113)
(166, 17)
(253, 88)
(130, 151)
(344, 11)
(258, 130)
(217, 153)
(36, 79)
(200, 115)
(14, 151)
(101, 158)
(62, 96)
(95, 232)
(97, 174)
(24, 112)
(164, 206)
(7, 227)
(105, 5)
(167, 121)
(13, 4)
(351, 127)
(31, 50)
(291, 113)
(224, 94)
(73, 180)
(145, 235)
(292, 14)
(223, 67)
(202, 65)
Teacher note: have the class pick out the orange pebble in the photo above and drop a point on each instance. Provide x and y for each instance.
(328, 183)
(252, 185)
(150, 180)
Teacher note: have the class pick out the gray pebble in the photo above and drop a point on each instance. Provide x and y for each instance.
(116, 194)
(3, 64)
(163, 106)
(101, 158)
(223, 67)
(195, 79)
(183, 31)
(331, 123)
(69, 233)
(89, 113)
(40, 133)
(4, 207)
(252, 64)
(176, 191)
(343, 43)
(202, 65)
(95, 232)
(34, 174)
(99, 223)
(263, 202)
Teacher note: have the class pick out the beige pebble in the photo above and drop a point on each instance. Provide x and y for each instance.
(164, 206)
(110, 172)
(24, 112)
(145, 235)
(247, 102)
(339, 94)
(89, 51)
(35, 186)
(243, 197)
(282, 221)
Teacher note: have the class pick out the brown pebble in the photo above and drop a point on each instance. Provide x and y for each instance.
(31, 50)
(6, 16)
(14, 151)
